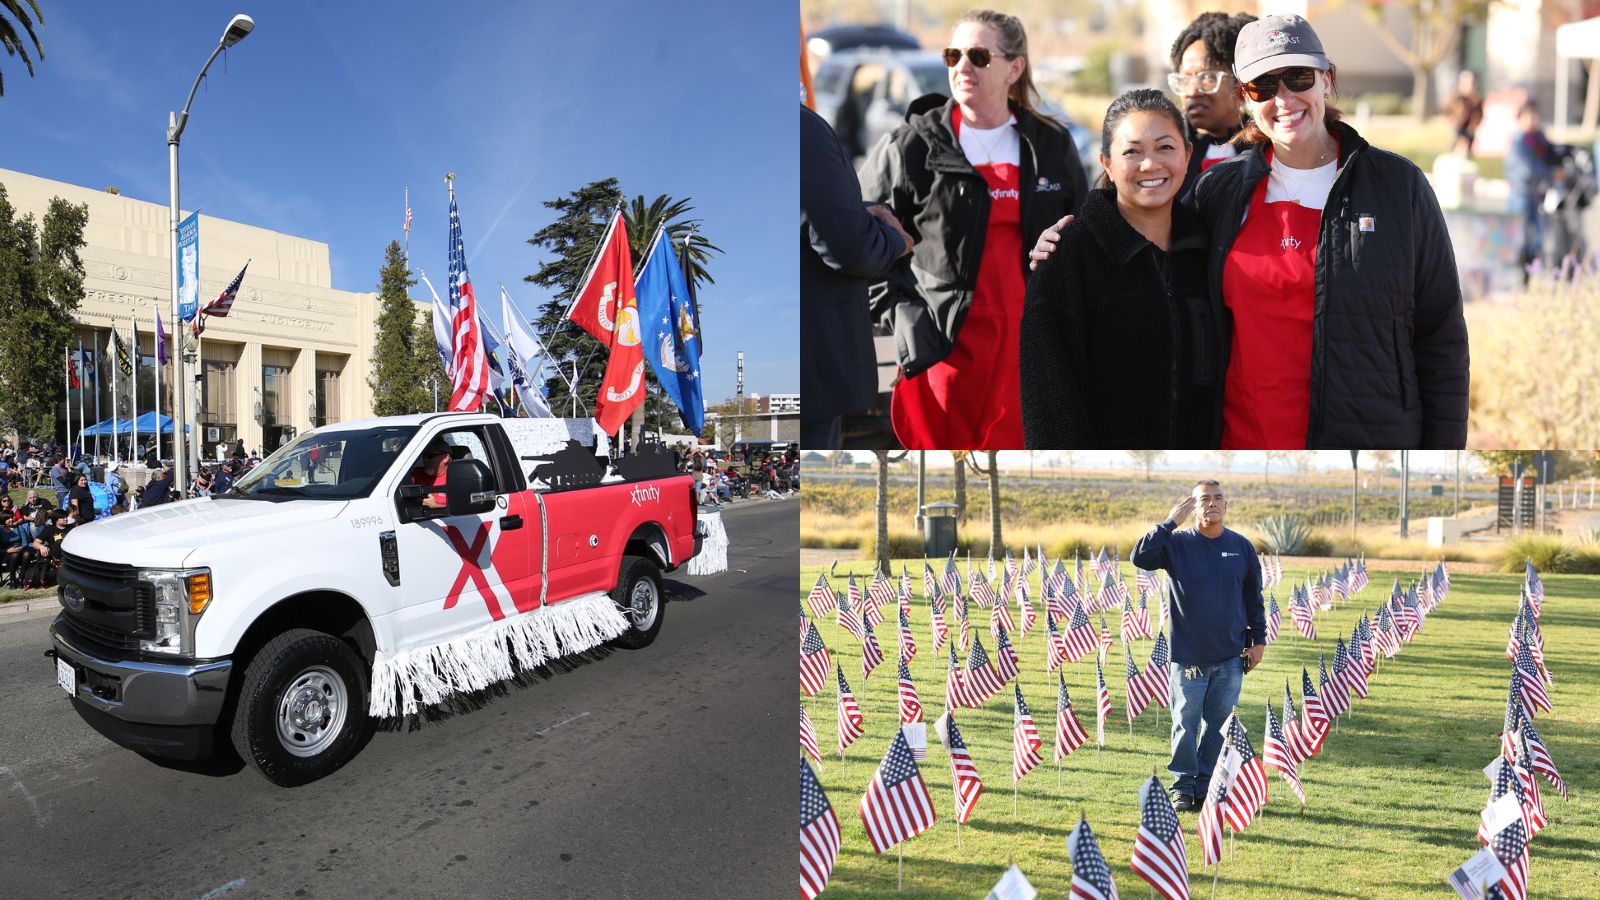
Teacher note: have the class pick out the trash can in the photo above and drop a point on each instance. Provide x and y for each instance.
(939, 529)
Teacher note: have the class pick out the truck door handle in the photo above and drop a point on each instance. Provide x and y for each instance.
(510, 523)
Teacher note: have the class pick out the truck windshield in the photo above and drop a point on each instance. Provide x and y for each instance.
(334, 465)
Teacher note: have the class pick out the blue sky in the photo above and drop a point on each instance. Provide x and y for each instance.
(316, 121)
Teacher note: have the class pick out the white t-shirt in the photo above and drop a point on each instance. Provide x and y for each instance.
(1307, 187)
(988, 146)
(1220, 152)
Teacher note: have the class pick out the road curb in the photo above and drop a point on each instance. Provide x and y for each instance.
(23, 610)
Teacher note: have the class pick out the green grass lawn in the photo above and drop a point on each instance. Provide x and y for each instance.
(1394, 796)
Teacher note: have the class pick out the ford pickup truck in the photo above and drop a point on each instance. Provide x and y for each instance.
(356, 576)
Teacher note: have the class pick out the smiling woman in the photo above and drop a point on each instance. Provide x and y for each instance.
(1117, 340)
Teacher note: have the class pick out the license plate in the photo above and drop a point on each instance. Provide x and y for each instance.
(67, 677)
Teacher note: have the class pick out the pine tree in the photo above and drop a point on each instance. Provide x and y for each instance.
(431, 375)
(41, 285)
(397, 378)
(571, 241)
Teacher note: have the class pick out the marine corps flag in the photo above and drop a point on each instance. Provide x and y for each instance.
(605, 307)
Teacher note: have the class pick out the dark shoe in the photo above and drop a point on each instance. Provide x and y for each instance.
(1182, 802)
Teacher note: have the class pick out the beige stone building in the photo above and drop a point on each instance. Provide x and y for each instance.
(293, 353)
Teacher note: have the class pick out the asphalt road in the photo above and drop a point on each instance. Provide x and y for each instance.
(654, 772)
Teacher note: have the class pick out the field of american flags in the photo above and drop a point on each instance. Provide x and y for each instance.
(1393, 798)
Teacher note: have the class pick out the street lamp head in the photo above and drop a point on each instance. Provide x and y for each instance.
(238, 29)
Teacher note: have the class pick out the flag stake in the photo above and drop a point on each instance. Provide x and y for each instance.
(900, 866)
(1214, 876)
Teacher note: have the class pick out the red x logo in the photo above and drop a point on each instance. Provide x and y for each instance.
(472, 559)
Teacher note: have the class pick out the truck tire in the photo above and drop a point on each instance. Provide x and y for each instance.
(302, 709)
(638, 597)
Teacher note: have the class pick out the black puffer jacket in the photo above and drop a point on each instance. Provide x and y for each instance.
(1119, 343)
(920, 172)
(1389, 343)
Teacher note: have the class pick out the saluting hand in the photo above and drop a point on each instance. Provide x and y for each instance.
(1181, 511)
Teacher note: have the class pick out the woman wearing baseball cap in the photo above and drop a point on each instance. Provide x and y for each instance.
(1333, 260)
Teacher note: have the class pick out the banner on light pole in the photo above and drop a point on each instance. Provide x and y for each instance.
(189, 267)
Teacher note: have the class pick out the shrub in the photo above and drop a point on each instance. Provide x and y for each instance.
(1286, 535)
(1548, 554)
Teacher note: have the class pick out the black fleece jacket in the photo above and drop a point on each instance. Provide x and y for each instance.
(1389, 342)
(1119, 341)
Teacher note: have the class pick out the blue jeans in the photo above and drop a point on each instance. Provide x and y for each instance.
(1209, 697)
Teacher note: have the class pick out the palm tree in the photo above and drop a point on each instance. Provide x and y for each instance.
(12, 41)
(643, 220)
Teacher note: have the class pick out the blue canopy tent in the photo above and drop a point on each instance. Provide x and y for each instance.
(120, 426)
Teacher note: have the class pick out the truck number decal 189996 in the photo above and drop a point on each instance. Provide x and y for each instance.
(365, 521)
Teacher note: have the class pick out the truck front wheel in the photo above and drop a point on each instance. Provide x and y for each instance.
(302, 707)
(639, 599)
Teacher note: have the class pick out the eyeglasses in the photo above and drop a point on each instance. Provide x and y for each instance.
(1208, 82)
(1265, 87)
(980, 56)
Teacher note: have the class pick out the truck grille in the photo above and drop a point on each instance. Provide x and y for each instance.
(118, 610)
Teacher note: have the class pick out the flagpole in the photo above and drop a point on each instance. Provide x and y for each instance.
(83, 376)
(116, 419)
(407, 228)
(157, 316)
(66, 379)
(95, 352)
(133, 446)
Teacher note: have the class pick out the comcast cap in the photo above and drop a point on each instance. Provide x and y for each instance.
(1276, 42)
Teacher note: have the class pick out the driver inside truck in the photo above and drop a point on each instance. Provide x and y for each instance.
(431, 471)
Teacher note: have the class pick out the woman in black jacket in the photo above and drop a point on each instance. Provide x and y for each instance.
(972, 179)
(1117, 348)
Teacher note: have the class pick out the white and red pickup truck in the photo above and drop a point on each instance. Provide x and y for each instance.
(335, 585)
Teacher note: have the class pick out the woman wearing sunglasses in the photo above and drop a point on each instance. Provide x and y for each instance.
(968, 177)
(1332, 259)
(1118, 341)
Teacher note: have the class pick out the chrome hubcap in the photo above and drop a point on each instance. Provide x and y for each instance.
(311, 711)
(643, 603)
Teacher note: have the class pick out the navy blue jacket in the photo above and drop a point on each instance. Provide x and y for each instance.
(1217, 609)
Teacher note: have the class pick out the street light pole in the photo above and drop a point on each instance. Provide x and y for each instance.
(238, 28)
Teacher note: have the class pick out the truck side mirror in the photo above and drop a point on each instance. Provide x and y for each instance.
(468, 488)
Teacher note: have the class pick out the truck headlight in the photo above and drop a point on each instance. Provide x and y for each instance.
(179, 598)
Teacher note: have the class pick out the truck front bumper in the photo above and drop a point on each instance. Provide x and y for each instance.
(164, 709)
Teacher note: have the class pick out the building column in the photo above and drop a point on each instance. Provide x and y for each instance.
(247, 387)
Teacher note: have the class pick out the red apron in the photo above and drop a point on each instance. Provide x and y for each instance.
(1269, 284)
(972, 399)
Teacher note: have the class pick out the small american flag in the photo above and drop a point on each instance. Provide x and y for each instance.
(1333, 693)
(964, 775)
(814, 661)
(1273, 618)
(908, 644)
(880, 592)
(871, 653)
(940, 631)
(1056, 597)
(930, 584)
(1348, 671)
(1299, 749)
(1091, 877)
(1532, 802)
(1102, 707)
(1209, 824)
(850, 611)
(1144, 580)
(1024, 739)
(1156, 676)
(1102, 564)
(849, 714)
(1510, 846)
(910, 705)
(1538, 756)
(897, 805)
(1275, 753)
(1530, 683)
(951, 584)
(1535, 587)
(1005, 657)
(821, 600)
(1141, 616)
(999, 619)
(1160, 856)
(1137, 693)
(955, 684)
(1315, 720)
(981, 681)
(1302, 616)
(1080, 636)
(808, 736)
(819, 835)
(1025, 612)
(1248, 792)
(1069, 734)
(1058, 581)
(982, 593)
(1054, 644)
(1105, 636)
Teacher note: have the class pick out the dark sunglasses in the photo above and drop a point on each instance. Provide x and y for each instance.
(1265, 87)
(980, 56)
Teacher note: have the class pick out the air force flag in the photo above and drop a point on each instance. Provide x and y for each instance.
(671, 338)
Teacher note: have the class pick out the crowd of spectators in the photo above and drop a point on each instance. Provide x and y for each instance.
(60, 497)
(725, 476)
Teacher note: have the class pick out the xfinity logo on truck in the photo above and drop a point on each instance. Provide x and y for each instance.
(641, 494)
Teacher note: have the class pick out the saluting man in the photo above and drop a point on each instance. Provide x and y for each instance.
(1218, 629)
